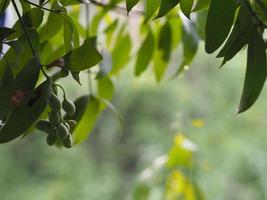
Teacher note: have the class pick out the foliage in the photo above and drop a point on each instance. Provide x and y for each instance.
(49, 38)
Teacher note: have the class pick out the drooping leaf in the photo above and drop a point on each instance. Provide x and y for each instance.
(86, 124)
(5, 32)
(145, 53)
(121, 53)
(190, 44)
(186, 7)
(201, 5)
(219, 22)
(151, 6)
(166, 6)
(239, 36)
(51, 28)
(27, 114)
(130, 4)
(71, 35)
(83, 57)
(256, 71)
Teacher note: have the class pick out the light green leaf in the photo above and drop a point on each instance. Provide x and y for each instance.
(121, 53)
(71, 34)
(201, 5)
(145, 54)
(86, 124)
(256, 71)
(151, 6)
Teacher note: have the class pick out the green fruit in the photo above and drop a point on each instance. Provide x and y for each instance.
(54, 103)
(72, 123)
(67, 142)
(51, 139)
(54, 118)
(44, 126)
(62, 131)
(67, 126)
(69, 107)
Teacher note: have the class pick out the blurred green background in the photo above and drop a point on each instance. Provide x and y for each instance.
(201, 104)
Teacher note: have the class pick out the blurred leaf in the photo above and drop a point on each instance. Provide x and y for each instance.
(190, 45)
(105, 88)
(87, 123)
(130, 4)
(145, 53)
(121, 53)
(151, 6)
(256, 71)
(165, 41)
(219, 11)
(166, 6)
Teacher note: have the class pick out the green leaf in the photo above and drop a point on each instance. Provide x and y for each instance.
(71, 34)
(3, 5)
(105, 88)
(256, 71)
(165, 41)
(121, 53)
(166, 6)
(145, 53)
(186, 7)
(151, 6)
(5, 32)
(201, 5)
(130, 4)
(86, 124)
(163, 53)
(27, 114)
(51, 28)
(239, 36)
(83, 57)
(220, 11)
(190, 45)
(32, 19)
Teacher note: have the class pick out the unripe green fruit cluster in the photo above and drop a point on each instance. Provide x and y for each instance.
(57, 129)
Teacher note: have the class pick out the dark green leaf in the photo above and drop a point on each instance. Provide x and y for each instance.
(166, 6)
(5, 32)
(239, 36)
(186, 7)
(219, 22)
(3, 5)
(256, 71)
(27, 114)
(130, 4)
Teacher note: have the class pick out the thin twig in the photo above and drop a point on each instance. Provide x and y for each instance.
(41, 7)
(24, 27)
(122, 10)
